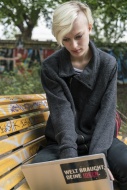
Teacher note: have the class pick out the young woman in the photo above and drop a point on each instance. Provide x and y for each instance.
(80, 82)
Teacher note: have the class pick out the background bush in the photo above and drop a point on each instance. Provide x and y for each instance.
(28, 82)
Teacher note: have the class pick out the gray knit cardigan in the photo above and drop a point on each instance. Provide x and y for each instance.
(88, 109)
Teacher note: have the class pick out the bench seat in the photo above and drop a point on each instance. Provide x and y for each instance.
(22, 127)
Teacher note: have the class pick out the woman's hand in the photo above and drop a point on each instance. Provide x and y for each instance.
(110, 175)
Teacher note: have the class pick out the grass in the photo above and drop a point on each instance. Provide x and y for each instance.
(122, 106)
(122, 98)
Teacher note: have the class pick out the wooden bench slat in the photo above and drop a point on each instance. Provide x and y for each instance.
(22, 123)
(21, 108)
(125, 140)
(21, 98)
(120, 137)
(24, 186)
(13, 178)
(20, 139)
(18, 157)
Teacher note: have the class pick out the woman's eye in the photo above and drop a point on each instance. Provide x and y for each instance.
(78, 37)
(66, 39)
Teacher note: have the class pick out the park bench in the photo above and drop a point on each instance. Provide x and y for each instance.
(22, 124)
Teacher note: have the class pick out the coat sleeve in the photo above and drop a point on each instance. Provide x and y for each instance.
(62, 116)
(105, 120)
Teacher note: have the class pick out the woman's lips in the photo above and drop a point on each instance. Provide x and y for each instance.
(76, 51)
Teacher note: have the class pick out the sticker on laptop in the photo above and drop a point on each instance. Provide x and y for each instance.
(84, 171)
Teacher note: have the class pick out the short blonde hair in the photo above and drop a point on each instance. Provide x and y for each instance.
(65, 15)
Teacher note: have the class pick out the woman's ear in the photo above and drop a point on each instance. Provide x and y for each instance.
(90, 27)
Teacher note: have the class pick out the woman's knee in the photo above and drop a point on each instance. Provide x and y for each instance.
(48, 153)
(117, 160)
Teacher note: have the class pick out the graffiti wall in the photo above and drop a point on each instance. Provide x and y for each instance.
(121, 58)
(11, 59)
(6, 64)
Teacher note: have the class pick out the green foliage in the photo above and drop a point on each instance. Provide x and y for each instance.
(21, 14)
(110, 19)
(109, 15)
(27, 83)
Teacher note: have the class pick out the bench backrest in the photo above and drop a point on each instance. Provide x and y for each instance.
(22, 124)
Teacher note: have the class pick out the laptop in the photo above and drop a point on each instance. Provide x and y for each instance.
(79, 173)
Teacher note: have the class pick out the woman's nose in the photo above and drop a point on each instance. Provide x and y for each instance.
(74, 43)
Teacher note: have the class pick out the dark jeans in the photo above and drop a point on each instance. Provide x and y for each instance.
(117, 160)
(116, 157)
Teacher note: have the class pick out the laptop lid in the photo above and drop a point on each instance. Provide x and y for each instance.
(80, 173)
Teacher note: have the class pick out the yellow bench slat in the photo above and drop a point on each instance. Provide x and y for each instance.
(24, 186)
(20, 139)
(125, 140)
(119, 137)
(12, 179)
(22, 123)
(21, 98)
(18, 157)
(21, 108)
